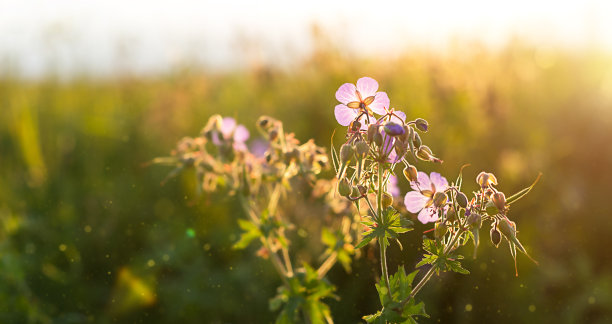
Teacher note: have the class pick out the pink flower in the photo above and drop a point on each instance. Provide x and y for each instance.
(392, 186)
(420, 200)
(362, 98)
(230, 131)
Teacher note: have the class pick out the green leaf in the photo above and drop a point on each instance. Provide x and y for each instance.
(251, 232)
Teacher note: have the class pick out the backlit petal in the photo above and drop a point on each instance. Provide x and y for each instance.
(439, 181)
(424, 183)
(241, 134)
(367, 87)
(414, 201)
(346, 93)
(227, 127)
(400, 114)
(427, 215)
(381, 101)
(345, 115)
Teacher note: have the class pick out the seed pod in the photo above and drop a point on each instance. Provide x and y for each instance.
(372, 130)
(346, 152)
(462, 200)
(439, 199)
(440, 230)
(495, 235)
(361, 149)
(393, 129)
(387, 200)
(344, 187)
(410, 172)
(499, 199)
(421, 124)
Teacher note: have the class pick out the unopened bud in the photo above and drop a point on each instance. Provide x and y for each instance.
(387, 200)
(507, 227)
(346, 152)
(462, 200)
(474, 219)
(410, 172)
(344, 187)
(439, 199)
(273, 134)
(264, 122)
(214, 123)
(378, 139)
(495, 236)
(440, 230)
(451, 215)
(485, 179)
(416, 140)
(424, 153)
(372, 130)
(361, 149)
(499, 199)
(362, 190)
(355, 126)
(421, 124)
(393, 129)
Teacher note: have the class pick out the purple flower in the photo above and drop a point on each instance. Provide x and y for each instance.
(358, 99)
(231, 131)
(392, 187)
(420, 200)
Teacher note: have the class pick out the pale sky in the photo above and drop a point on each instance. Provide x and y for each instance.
(101, 37)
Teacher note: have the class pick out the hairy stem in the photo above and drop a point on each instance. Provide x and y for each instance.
(327, 265)
(383, 248)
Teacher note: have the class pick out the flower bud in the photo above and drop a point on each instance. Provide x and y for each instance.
(495, 236)
(214, 123)
(346, 152)
(507, 227)
(273, 134)
(439, 199)
(355, 126)
(499, 199)
(378, 139)
(393, 129)
(462, 200)
(344, 187)
(424, 153)
(372, 130)
(361, 149)
(485, 179)
(416, 140)
(421, 124)
(440, 230)
(264, 122)
(410, 172)
(474, 219)
(387, 200)
(451, 215)
(362, 190)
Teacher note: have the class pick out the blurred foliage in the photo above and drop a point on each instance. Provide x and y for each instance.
(88, 234)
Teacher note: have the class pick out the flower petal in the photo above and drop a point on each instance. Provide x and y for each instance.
(367, 87)
(346, 93)
(241, 134)
(400, 114)
(414, 201)
(228, 124)
(345, 115)
(381, 101)
(427, 215)
(424, 183)
(438, 181)
(392, 187)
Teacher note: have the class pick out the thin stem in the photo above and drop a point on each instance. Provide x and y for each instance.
(327, 265)
(383, 248)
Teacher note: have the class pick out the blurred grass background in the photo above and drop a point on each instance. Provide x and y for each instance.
(88, 234)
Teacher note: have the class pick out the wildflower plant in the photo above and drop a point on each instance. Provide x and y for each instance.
(363, 196)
